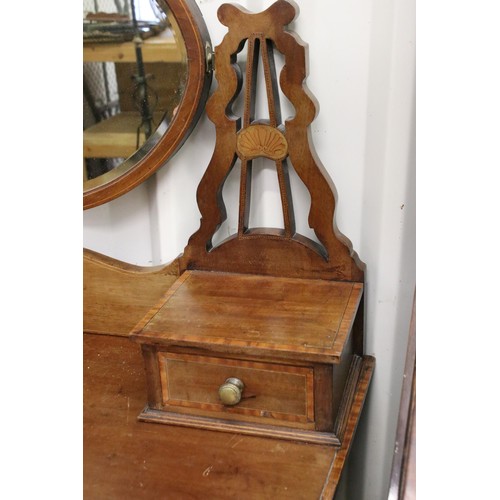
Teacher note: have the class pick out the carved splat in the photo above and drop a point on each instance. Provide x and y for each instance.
(270, 251)
(251, 347)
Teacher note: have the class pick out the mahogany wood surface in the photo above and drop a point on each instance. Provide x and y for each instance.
(116, 295)
(366, 367)
(229, 317)
(126, 460)
(296, 318)
(265, 296)
(278, 392)
(240, 139)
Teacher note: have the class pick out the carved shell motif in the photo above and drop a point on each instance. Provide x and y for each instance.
(261, 140)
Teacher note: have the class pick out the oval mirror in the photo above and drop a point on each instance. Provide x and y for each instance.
(146, 78)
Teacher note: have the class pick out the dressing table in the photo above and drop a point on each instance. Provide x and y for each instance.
(237, 370)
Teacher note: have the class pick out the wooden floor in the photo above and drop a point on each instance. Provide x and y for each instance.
(126, 459)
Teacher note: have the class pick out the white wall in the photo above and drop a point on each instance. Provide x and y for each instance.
(362, 71)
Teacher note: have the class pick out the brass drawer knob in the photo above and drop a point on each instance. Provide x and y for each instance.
(230, 391)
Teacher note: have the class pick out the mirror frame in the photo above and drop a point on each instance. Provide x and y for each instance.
(160, 147)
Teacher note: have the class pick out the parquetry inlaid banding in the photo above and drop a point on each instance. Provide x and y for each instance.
(261, 140)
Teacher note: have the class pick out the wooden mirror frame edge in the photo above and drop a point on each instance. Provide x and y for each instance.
(198, 46)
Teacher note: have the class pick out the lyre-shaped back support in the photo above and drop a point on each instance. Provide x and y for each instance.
(280, 252)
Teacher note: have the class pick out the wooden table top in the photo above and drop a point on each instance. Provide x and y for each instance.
(126, 459)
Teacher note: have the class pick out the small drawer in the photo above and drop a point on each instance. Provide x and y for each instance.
(272, 392)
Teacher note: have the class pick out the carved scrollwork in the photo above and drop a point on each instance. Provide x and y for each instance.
(257, 250)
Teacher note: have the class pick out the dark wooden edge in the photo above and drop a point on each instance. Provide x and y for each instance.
(106, 261)
(351, 386)
(332, 480)
(214, 424)
(158, 150)
(152, 369)
(402, 459)
(323, 409)
(222, 345)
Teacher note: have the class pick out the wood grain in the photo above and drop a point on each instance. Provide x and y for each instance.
(304, 319)
(354, 413)
(272, 391)
(126, 459)
(116, 295)
(247, 428)
(268, 251)
(265, 296)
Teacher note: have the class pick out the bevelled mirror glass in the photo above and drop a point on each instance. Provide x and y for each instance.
(145, 82)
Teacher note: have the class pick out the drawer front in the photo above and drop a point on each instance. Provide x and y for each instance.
(272, 392)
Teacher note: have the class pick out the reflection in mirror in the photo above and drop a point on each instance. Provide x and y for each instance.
(134, 75)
